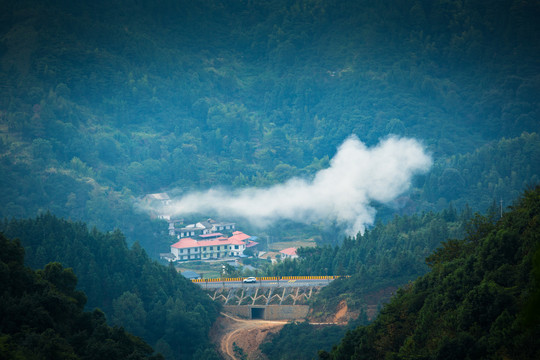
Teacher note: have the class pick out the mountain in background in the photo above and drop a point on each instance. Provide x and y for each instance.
(104, 102)
(101, 103)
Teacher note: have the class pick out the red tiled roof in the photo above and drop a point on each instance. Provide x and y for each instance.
(190, 243)
(289, 251)
(239, 236)
(185, 243)
(251, 244)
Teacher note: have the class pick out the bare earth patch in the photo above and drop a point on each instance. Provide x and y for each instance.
(341, 313)
(247, 334)
(280, 245)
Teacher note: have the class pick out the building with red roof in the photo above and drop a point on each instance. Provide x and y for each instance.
(288, 253)
(210, 246)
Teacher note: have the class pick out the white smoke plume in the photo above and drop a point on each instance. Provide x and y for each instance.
(344, 192)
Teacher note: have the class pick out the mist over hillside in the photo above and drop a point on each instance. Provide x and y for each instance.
(102, 103)
(391, 122)
(341, 193)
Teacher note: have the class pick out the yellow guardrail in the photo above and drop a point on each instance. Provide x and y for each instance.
(276, 278)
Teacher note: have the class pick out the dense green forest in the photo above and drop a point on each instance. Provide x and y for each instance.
(42, 317)
(388, 255)
(498, 171)
(147, 299)
(480, 300)
(103, 102)
(302, 341)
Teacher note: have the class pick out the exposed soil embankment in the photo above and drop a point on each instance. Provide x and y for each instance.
(343, 313)
(246, 334)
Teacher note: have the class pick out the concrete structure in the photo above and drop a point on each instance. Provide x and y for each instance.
(269, 312)
(270, 303)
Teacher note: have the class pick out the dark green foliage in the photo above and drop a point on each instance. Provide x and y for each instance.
(101, 102)
(300, 340)
(148, 299)
(41, 316)
(475, 303)
(499, 171)
(388, 255)
(239, 352)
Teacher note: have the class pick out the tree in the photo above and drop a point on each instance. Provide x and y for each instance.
(128, 311)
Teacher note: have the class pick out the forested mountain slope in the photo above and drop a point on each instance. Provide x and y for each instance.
(498, 171)
(102, 102)
(480, 300)
(146, 298)
(41, 316)
(392, 252)
(386, 256)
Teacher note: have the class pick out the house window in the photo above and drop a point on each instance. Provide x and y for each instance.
(236, 247)
(211, 248)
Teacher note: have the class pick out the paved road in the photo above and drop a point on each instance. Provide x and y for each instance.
(265, 283)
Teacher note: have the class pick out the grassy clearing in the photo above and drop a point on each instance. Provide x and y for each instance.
(205, 269)
(278, 246)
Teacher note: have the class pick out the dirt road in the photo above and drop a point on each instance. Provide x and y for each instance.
(247, 334)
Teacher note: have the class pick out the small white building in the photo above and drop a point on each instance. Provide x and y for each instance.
(158, 202)
(289, 253)
(203, 228)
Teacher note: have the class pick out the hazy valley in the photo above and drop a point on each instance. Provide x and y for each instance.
(397, 140)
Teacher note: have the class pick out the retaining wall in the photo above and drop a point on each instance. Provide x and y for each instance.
(271, 312)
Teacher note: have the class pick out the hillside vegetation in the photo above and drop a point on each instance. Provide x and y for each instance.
(388, 255)
(42, 317)
(103, 102)
(479, 300)
(391, 253)
(147, 299)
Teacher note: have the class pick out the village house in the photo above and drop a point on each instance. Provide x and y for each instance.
(289, 253)
(158, 202)
(209, 226)
(210, 246)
